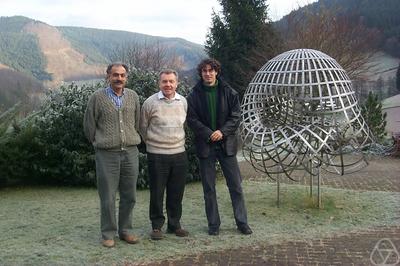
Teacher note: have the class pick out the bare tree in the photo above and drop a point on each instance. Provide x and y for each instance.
(147, 56)
(340, 35)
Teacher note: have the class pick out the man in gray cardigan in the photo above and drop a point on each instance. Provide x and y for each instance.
(111, 124)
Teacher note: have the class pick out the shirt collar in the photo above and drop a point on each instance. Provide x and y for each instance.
(110, 90)
(211, 87)
(161, 96)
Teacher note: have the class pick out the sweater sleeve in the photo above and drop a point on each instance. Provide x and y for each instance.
(89, 120)
(144, 120)
(137, 113)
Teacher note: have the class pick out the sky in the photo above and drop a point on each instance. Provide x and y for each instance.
(188, 19)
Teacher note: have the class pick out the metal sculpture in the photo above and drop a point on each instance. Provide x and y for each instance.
(300, 113)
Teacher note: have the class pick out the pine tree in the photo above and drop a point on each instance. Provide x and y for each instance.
(375, 119)
(242, 39)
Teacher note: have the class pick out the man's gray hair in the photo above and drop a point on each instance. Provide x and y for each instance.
(110, 66)
(168, 71)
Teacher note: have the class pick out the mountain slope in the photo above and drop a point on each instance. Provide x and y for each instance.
(18, 87)
(382, 15)
(98, 44)
(20, 50)
(64, 63)
(56, 54)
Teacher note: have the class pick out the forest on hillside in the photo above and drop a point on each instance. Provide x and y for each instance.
(16, 87)
(98, 44)
(20, 50)
(382, 15)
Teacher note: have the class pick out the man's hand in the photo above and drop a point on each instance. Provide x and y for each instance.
(216, 136)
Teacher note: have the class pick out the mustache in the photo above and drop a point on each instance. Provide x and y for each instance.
(117, 82)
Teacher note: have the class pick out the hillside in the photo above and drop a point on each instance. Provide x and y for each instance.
(17, 87)
(20, 50)
(382, 15)
(34, 54)
(64, 63)
(56, 54)
(98, 44)
(362, 35)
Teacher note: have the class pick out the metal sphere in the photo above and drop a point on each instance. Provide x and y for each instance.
(300, 109)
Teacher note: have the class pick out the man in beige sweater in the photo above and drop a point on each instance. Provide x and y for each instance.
(111, 124)
(162, 127)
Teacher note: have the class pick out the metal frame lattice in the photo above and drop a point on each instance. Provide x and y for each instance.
(300, 112)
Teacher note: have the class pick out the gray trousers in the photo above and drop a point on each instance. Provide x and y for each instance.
(230, 168)
(116, 171)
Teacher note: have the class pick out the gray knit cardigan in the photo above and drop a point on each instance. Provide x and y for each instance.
(109, 127)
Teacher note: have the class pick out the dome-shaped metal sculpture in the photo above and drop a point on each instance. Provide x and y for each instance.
(299, 110)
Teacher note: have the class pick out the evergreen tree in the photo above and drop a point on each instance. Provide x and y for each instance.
(242, 39)
(375, 119)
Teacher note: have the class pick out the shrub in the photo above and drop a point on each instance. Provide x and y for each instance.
(371, 111)
(68, 157)
(49, 147)
(20, 154)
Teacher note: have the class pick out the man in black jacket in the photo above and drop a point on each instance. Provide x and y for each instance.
(214, 117)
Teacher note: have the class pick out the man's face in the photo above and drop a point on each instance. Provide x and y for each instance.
(168, 84)
(209, 75)
(117, 77)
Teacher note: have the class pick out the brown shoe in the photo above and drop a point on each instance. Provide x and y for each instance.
(130, 239)
(108, 243)
(156, 234)
(179, 232)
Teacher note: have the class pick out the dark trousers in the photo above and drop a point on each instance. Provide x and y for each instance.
(231, 171)
(167, 172)
(116, 171)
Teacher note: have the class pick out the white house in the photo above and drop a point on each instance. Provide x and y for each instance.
(391, 106)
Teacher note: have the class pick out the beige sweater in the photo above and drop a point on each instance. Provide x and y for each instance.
(162, 124)
(108, 127)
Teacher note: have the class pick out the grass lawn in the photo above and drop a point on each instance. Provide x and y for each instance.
(61, 225)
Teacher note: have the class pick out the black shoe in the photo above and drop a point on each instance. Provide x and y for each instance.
(213, 232)
(245, 229)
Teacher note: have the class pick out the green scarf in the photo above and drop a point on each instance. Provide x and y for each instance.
(211, 93)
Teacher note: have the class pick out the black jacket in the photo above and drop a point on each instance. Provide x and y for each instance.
(228, 118)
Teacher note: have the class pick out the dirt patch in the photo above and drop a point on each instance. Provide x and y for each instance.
(3, 66)
(63, 61)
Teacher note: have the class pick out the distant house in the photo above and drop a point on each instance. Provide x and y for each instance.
(391, 106)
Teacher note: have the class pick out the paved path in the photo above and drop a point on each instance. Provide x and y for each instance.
(381, 174)
(367, 247)
(350, 249)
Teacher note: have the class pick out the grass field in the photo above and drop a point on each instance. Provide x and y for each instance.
(60, 226)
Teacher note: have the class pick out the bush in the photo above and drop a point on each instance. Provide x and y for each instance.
(19, 156)
(371, 111)
(50, 146)
(68, 157)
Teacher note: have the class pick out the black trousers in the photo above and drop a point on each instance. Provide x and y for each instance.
(231, 171)
(167, 172)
